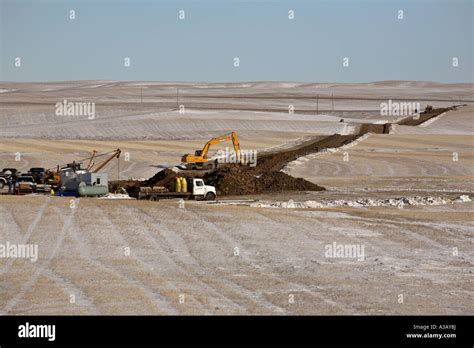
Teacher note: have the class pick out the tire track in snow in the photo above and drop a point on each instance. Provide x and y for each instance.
(160, 301)
(269, 307)
(27, 235)
(189, 265)
(27, 285)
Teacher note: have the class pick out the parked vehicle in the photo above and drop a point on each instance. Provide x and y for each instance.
(38, 174)
(25, 184)
(196, 189)
(7, 176)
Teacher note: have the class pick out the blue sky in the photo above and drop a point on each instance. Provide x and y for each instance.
(311, 47)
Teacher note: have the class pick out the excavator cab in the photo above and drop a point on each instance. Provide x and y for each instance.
(200, 161)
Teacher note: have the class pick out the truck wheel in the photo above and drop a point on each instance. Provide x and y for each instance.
(153, 198)
(2, 184)
(210, 196)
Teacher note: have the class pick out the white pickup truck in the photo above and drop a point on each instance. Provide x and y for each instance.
(196, 190)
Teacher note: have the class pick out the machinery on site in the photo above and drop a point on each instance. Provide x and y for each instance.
(200, 158)
(52, 178)
(25, 184)
(91, 166)
(8, 177)
(185, 188)
(38, 174)
(86, 182)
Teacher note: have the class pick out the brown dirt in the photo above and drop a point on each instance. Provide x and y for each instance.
(424, 116)
(233, 179)
(236, 179)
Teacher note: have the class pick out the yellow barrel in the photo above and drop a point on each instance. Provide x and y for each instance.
(184, 185)
(178, 184)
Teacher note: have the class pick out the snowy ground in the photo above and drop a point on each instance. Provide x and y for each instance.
(395, 196)
(141, 110)
(280, 255)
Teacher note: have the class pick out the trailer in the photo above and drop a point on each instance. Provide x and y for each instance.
(197, 191)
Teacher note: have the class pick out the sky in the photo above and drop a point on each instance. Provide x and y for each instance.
(269, 45)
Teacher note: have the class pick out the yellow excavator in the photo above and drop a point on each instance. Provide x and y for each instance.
(200, 161)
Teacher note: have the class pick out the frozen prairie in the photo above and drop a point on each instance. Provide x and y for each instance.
(249, 254)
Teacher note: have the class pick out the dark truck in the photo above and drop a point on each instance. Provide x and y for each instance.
(38, 174)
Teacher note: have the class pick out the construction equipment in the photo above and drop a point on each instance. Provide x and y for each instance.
(25, 184)
(115, 154)
(91, 162)
(196, 189)
(80, 182)
(8, 177)
(52, 178)
(200, 160)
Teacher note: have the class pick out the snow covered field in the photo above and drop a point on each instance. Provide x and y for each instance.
(148, 110)
(192, 252)
(399, 197)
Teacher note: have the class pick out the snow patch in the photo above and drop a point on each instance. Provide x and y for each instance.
(431, 120)
(390, 202)
(116, 196)
(463, 198)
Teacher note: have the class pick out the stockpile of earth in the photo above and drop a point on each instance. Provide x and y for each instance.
(239, 180)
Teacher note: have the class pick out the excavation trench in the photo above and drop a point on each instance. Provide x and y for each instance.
(266, 176)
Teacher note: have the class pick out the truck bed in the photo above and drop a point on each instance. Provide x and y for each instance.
(154, 196)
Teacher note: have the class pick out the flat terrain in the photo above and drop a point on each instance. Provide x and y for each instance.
(190, 251)
(121, 256)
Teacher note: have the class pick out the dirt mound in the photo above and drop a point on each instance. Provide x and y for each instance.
(276, 161)
(239, 180)
(424, 116)
(164, 178)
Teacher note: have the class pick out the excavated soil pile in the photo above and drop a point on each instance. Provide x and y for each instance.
(424, 116)
(165, 177)
(239, 180)
(276, 161)
(374, 128)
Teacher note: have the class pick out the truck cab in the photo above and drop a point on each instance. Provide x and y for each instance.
(201, 190)
(38, 174)
(25, 184)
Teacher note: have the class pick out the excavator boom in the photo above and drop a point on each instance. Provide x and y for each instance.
(200, 156)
